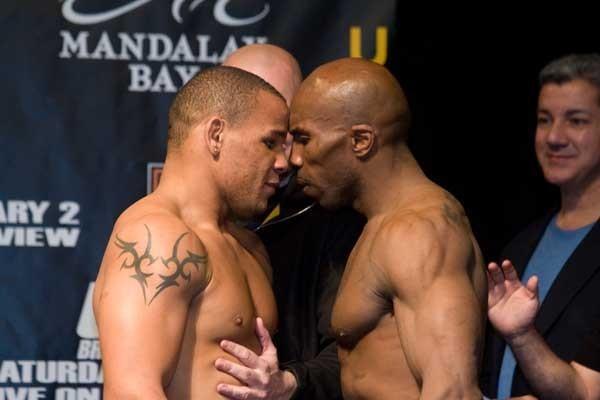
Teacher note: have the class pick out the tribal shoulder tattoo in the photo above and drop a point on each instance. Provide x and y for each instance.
(174, 264)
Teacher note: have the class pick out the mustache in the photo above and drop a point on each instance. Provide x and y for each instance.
(292, 192)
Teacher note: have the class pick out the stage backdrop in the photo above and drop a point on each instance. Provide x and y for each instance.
(86, 85)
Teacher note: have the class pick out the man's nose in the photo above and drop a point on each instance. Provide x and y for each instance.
(556, 137)
(297, 156)
(287, 145)
(281, 163)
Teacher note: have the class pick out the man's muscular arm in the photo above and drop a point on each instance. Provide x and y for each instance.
(439, 317)
(150, 272)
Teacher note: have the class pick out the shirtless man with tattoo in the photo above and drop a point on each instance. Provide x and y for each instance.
(178, 278)
(410, 310)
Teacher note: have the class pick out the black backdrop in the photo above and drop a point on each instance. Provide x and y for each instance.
(471, 78)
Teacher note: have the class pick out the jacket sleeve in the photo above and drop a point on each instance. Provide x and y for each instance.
(319, 378)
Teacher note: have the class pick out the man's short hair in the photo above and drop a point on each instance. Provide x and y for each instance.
(228, 92)
(572, 67)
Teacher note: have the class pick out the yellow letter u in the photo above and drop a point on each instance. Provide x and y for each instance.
(381, 37)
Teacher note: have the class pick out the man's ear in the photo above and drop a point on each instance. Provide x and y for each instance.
(214, 136)
(363, 140)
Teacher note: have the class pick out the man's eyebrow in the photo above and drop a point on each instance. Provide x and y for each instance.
(569, 112)
(299, 131)
(278, 132)
(574, 111)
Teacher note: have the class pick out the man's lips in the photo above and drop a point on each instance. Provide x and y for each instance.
(301, 182)
(308, 188)
(272, 186)
(558, 157)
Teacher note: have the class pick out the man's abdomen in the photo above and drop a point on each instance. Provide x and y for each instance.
(225, 311)
(375, 368)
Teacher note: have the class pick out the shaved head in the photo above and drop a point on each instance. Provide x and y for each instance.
(271, 63)
(355, 91)
(228, 92)
(350, 120)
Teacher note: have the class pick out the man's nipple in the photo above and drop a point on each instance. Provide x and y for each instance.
(238, 320)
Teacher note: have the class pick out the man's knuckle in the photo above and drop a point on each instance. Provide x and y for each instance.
(264, 379)
(245, 354)
(247, 375)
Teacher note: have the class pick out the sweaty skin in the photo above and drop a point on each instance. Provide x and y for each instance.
(178, 276)
(410, 310)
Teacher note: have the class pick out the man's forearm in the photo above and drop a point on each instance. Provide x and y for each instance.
(549, 376)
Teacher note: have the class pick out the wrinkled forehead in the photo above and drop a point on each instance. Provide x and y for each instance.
(574, 94)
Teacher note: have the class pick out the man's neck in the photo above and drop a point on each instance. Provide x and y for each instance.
(193, 192)
(580, 206)
(387, 182)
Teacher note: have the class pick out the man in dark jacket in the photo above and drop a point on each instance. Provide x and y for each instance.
(562, 249)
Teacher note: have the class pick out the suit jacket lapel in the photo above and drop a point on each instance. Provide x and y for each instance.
(572, 277)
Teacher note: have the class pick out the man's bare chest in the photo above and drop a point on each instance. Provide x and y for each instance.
(362, 298)
(239, 291)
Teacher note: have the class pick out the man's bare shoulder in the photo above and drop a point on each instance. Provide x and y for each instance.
(436, 205)
(152, 246)
(424, 241)
(428, 224)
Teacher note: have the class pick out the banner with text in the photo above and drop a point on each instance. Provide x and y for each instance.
(83, 120)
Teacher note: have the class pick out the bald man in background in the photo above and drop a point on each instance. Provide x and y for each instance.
(308, 247)
(409, 314)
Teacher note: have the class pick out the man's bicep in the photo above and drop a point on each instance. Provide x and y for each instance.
(148, 281)
(441, 334)
(438, 313)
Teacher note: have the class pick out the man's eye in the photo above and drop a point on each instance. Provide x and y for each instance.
(578, 121)
(543, 120)
(302, 139)
(270, 143)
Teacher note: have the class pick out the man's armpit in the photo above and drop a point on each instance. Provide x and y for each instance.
(143, 261)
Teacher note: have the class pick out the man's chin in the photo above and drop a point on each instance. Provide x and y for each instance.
(329, 206)
(312, 192)
(329, 203)
(260, 209)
